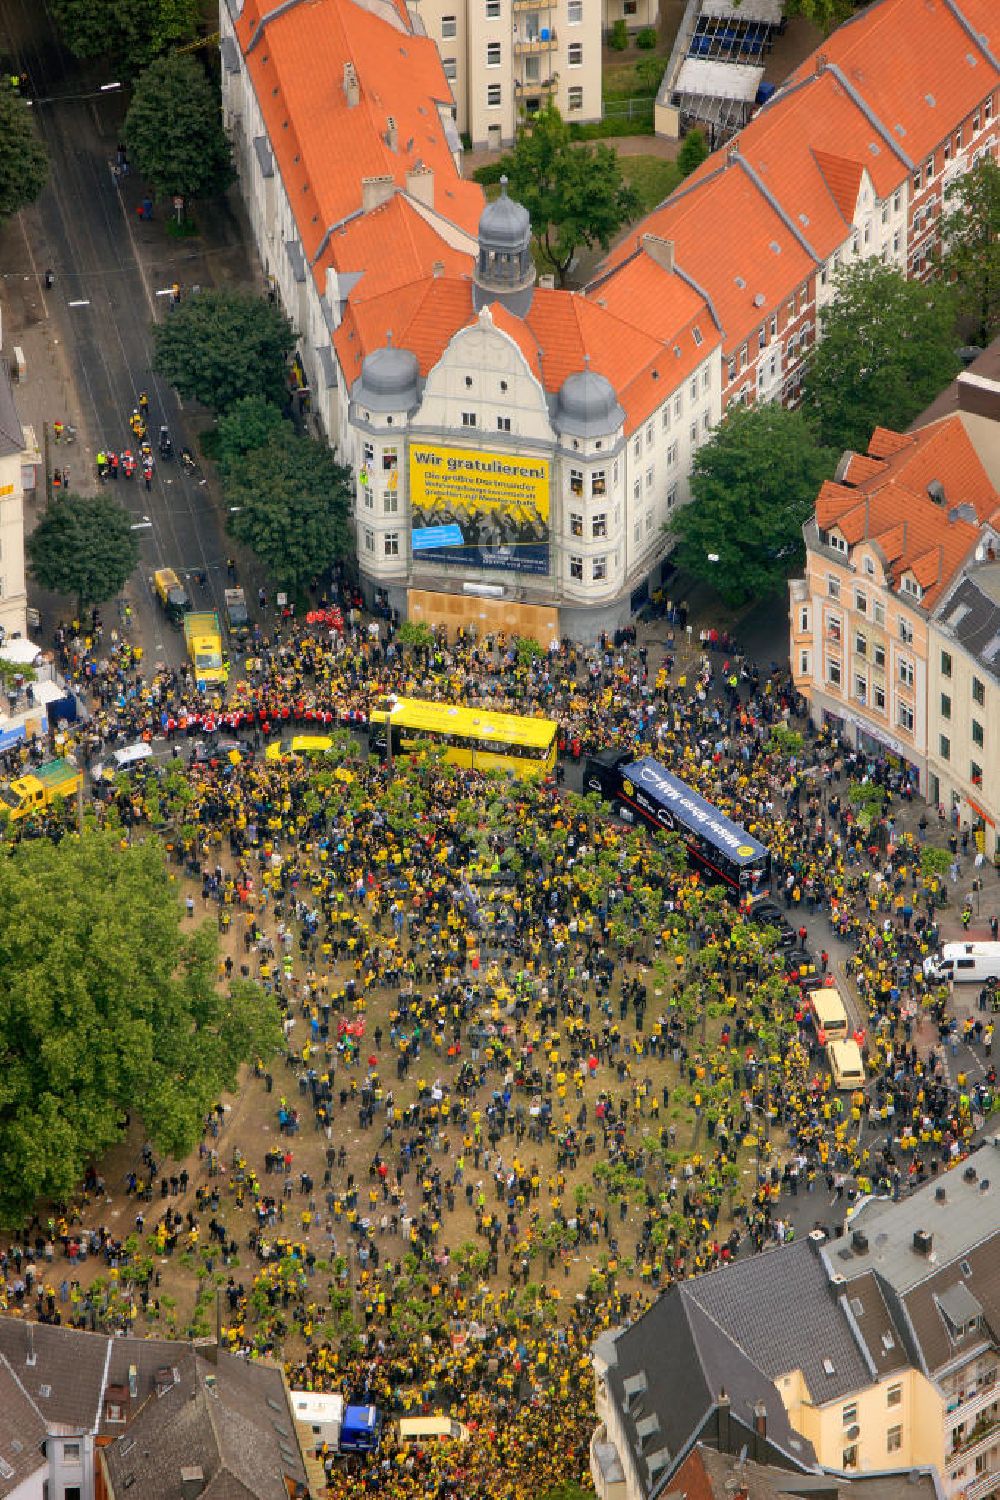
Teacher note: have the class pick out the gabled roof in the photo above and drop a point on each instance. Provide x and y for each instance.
(22, 1433)
(60, 1369)
(884, 498)
(295, 55)
(915, 66)
(231, 1421)
(392, 246)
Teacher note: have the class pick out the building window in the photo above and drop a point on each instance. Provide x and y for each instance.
(878, 612)
(599, 567)
(929, 169)
(575, 523)
(649, 522)
(911, 586)
(849, 1458)
(114, 1411)
(860, 602)
(860, 644)
(390, 502)
(878, 654)
(369, 453)
(975, 773)
(916, 181)
(576, 568)
(879, 698)
(894, 1396)
(671, 455)
(576, 481)
(369, 539)
(391, 544)
(671, 496)
(71, 1453)
(833, 627)
(599, 524)
(493, 54)
(837, 542)
(904, 716)
(678, 403)
(804, 663)
(945, 706)
(833, 586)
(492, 10)
(503, 424)
(469, 419)
(905, 631)
(449, 26)
(649, 477)
(833, 672)
(574, 12)
(575, 97)
(598, 483)
(731, 370)
(450, 68)
(894, 1439)
(861, 688)
(945, 663)
(665, 419)
(944, 747)
(575, 55)
(977, 733)
(978, 691)
(494, 95)
(906, 672)
(804, 618)
(849, 1415)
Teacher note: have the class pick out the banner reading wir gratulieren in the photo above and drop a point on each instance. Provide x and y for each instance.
(481, 510)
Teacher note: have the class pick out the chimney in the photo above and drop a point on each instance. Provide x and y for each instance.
(935, 490)
(352, 88)
(723, 1409)
(391, 133)
(420, 184)
(760, 1433)
(978, 395)
(922, 1241)
(192, 1481)
(437, 269)
(817, 1239)
(659, 250)
(819, 63)
(732, 151)
(375, 191)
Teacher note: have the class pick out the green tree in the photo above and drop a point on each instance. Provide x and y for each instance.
(174, 130)
(24, 165)
(289, 503)
(416, 634)
(575, 195)
(251, 422)
(826, 14)
(694, 150)
(105, 1006)
(83, 548)
(971, 236)
(221, 345)
(753, 485)
(126, 34)
(887, 349)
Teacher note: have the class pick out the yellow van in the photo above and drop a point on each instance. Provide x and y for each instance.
(432, 1429)
(299, 744)
(846, 1064)
(829, 1015)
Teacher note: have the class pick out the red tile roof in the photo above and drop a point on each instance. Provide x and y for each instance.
(324, 147)
(915, 66)
(390, 246)
(883, 498)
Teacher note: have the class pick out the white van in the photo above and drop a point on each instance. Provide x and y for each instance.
(829, 1015)
(964, 963)
(123, 760)
(846, 1064)
(432, 1429)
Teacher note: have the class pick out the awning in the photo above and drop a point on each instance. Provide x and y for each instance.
(719, 80)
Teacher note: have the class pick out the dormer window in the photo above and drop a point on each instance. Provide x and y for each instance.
(869, 566)
(909, 585)
(836, 541)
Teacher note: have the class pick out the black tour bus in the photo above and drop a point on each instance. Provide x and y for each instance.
(644, 790)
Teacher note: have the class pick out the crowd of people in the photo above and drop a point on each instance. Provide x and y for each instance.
(535, 1070)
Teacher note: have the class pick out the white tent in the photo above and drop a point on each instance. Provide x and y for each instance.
(21, 652)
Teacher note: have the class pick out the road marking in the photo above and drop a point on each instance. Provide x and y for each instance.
(80, 302)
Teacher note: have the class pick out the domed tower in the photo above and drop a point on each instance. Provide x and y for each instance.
(505, 271)
(587, 406)
(389, 380)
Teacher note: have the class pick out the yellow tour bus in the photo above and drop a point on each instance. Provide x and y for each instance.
(473, 737)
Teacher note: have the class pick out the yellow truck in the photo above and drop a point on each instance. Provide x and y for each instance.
(171, 594)
(203, 636)
(37, 790)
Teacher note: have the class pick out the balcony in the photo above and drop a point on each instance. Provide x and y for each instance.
(986, 1484)
(537, 86)
(535, 45)
(529, 5)
(981, 1437)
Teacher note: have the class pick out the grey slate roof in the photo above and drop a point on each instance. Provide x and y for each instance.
(60, 1369)
(751, 1299)
(11, 434)
(231, 1421)
(22, 1433)
(970, 614)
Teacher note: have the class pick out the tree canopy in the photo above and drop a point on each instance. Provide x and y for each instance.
(24, 164)
(826, 14)
(288, 501)
(174, 130)
(221, 345)
(83, 548)
(970, 234)
(575, 195)
(128, 34)
(251, 422)
(887, 349)
(753, 485)
(106, 1006)
(694, 150)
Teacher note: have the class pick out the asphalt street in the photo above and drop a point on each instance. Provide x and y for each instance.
(103, 304)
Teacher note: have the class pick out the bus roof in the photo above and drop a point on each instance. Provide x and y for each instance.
(472, 723)
(670, 792)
